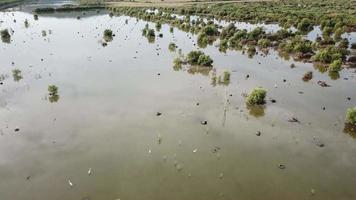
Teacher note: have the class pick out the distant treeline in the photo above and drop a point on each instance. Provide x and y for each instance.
(68, 8)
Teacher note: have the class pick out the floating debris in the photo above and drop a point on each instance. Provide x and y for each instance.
(293, 119)
(281, 166)
(70, 183)
(323, 84)
(204, 122)
(317, 142)
(158, 114)
(195, 150)
(89, 171)
(221, 175)
(258, 133)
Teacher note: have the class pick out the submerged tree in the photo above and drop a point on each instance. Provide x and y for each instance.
(256, 97)
(16, 74)
(5, 36)
(199, 58)
(53, 93)
(108, 35)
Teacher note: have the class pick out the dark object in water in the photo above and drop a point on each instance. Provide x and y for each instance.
(216, 149)
(292, 65)
(317, 142)
(308, 76)
(273, 101)
(258, 133)
(247, 76)
(281, 166)
(323, 84)
(293, 119)
(158, 114)
(204, 122)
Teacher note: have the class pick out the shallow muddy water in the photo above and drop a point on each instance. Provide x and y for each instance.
(106, 119)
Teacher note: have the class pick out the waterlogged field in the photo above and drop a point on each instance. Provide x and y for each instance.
(121, 121)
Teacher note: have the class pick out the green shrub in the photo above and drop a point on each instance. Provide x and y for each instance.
(172, 46)
(5, 36)
(151, 33)
(330, 54)
(264, 43)
(16, 74)
(210, 30)
(351, 115)
(305, 25)
(108, 33)
(256, 97)
(205, 60)
(199, 58)
(335, 66)
(53, 90)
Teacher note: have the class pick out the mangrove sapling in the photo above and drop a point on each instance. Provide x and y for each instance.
(26, 23)
(5, 36)
(335, 66)
(53, 93)
(177, 64)
(351, 115)
(108, 35)
(264, 43)
(256, 97)
(308, 76)
(172, 46)
(158, 26)
(199, 58)
(305, 25)
(16, 74)
(226, 78)
(350, 124)
(151, 33)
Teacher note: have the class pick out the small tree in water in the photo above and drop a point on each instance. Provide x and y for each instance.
(5, 36)
(351, 115)
(256, 97)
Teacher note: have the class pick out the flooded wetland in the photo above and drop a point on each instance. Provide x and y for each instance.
(105, 105)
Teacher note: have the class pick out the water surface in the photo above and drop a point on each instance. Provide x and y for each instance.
(105, 118)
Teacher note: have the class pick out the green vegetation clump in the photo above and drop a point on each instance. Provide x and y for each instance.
(52, 89)
(177, 64)
(151, 33)
(108, 33)
(351, 115)
(256, 97)
(53, 93)
(172, 46)
(335, 66)
(331, 53)
(5, 35)
(16, 74)
(264, 43)
(210, 30)
(308, 76)
(199, 58)
(305, 25)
